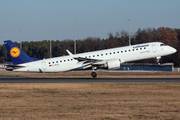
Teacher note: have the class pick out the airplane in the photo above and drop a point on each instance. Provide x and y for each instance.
(101, 59)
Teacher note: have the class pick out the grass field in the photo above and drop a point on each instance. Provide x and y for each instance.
(102, 101)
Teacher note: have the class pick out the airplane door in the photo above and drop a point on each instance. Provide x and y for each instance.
(43, 64)
(154, 48)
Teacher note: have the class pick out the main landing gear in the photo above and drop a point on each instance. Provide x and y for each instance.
(93, 74)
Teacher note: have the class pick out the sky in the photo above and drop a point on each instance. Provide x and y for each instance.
(93, 18)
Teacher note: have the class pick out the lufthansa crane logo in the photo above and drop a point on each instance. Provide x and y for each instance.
(15, 52)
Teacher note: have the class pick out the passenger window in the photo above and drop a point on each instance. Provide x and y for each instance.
(129, 50)
(98, 55)
(106, 53)
(110, 53)
(56, 61)
(125, 50)
(60, 60)
(114, 52)
(121, 51)
(93, 55)
(132, 49)
(53, 62)
(64, 60)
(136, 49)
(49, 62)
(117, 51)
(140, 48)
(101, 54)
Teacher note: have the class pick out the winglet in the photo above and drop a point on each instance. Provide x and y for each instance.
(70, 53)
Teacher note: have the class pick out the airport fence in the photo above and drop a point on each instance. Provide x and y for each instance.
(176, 69)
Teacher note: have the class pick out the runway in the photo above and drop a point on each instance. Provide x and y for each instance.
(5, 79)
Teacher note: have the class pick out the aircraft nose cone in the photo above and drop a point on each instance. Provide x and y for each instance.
(173, 50)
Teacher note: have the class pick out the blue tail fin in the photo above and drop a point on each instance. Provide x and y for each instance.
(16, 54)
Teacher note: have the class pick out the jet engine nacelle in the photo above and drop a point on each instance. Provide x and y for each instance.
(113, 64)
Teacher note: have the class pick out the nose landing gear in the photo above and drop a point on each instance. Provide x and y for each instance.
(158, 59)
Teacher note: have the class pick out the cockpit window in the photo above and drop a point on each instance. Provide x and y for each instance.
(163, 44)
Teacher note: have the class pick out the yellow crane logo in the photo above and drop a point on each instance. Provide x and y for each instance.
(15, 52)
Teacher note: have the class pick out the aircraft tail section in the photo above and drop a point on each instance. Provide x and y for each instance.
(16, 54)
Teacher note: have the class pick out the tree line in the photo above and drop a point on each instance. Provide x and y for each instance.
(40, 49)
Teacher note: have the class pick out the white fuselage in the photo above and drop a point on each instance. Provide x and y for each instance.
(125, 54)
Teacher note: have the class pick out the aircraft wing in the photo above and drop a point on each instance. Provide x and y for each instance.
(87, 62)
(80, 59)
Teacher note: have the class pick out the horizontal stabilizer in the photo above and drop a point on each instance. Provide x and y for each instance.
(12, 67)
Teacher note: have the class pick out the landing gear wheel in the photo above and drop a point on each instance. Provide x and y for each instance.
(93, 74)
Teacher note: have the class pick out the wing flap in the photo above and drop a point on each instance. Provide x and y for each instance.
(81, 59)
(86, 62)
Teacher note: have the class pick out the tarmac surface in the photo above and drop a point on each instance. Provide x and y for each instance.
(7, 79)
